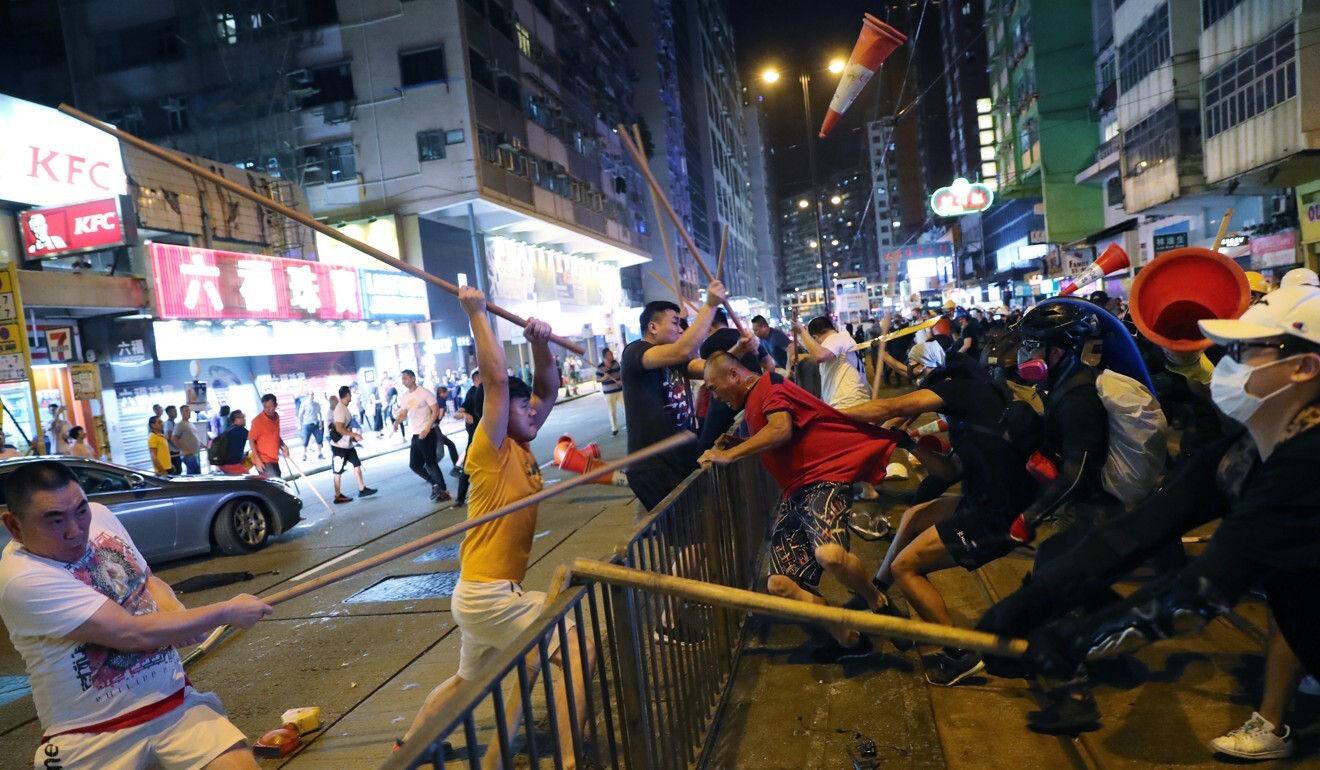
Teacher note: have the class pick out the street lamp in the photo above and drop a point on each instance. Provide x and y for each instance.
(771, 75)
(836, 199)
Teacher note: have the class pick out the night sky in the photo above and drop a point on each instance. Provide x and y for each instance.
(782, 34)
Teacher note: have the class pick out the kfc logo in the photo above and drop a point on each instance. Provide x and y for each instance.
(69, 229)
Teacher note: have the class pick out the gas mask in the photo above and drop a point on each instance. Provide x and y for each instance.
(1228, 388)
(1031, 361)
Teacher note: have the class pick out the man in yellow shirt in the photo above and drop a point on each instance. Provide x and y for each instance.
(159, 447)
(489, 604)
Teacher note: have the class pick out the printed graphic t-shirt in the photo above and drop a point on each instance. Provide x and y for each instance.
(76, 684)
(416, 402)
(657, 405)
(499, 549)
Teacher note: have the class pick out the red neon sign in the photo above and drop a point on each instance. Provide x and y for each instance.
(207, 284)
(68, 229)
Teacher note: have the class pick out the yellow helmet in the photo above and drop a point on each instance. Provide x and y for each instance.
(1257, 283)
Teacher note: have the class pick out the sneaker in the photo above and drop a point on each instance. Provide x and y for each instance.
(615, 433)
(435, 492)
(343, 499)
(1068, 711)
(366, 492)
(442, 496)
(1309, 686)
(950, 669)
(1255, 740)
(833, 652)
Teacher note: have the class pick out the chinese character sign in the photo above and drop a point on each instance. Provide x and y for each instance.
(919, 251)
(209, 284)
(961, 197)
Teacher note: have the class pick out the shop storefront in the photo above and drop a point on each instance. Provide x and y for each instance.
(234, 326)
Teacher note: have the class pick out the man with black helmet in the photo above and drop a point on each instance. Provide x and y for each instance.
(1076, 430)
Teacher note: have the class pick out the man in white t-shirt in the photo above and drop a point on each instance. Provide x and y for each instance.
(842, 378)
(98, 632)
(343, 447)
(418, 406)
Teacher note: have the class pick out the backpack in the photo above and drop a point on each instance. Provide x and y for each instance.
(219, 449)
(1138, 437)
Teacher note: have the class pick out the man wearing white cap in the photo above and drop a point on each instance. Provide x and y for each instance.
(1300, 276)
(1261, 482)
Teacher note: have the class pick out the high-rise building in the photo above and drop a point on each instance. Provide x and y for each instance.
(848, 247)
(690, 100)
(762, 192)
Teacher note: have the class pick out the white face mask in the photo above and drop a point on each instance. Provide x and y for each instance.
(1228, 388)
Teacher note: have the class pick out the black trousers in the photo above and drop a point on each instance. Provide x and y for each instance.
(421, 458)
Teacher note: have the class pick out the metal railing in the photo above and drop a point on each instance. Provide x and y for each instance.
(645, 675)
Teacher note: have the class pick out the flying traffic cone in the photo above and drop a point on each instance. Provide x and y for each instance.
(932, 443)
(875, 43)
(562, 446)
(1111, 261)
(592, 450)
(574, 460)
(929, 429)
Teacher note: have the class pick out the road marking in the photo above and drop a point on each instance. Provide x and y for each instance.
(320, 567)
(546, 464)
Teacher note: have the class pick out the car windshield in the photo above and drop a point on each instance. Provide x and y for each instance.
(95, 480)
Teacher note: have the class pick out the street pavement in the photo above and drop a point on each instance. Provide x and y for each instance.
(369, 665)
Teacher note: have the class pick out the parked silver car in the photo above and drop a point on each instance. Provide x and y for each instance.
(174, 516)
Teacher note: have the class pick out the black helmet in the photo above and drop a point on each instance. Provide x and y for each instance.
(1059, 324)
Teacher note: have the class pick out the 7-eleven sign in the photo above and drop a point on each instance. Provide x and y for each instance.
(59, 344)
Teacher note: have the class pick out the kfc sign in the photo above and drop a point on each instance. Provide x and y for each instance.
(81, 227)
(208, 284)
(51, 159)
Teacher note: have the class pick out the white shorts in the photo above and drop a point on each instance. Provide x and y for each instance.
(188, 737)
(490, 616)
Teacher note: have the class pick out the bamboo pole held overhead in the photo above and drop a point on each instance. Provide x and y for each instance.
(300, 218)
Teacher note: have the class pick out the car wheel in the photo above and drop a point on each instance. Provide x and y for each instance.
(241, 527)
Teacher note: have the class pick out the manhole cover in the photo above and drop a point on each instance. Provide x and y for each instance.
(440, 553)
(406, 588)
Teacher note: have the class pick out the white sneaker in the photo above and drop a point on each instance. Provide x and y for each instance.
(1255, 740)
(1309, 686)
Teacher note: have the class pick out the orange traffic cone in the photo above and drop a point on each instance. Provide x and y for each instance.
(875, 43)
(1113, 260)
(575, 460)
(932, 443)
(562, 446)
(592, 450)
(929, 429)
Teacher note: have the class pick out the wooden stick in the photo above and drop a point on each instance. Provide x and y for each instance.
(774, 606)
(1223, 229)
(905, 331)
(513, 709)
(664, 238)
(719, 262)
(667, 285)
(303, 473)
(880, 359)
(414, 546)
(657, 193)
(300, 218)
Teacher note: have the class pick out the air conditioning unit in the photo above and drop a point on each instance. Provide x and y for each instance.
(337, 112)
(298, 84)
(505, 141)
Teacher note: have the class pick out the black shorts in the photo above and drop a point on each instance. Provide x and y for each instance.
(975, 538)
(346, 457)
(1296, 606)
(807, 519)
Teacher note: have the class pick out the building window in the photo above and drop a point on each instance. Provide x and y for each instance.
(1252, 82)
(431, 145)
(418, 68)
(454, 136)
(481, 73)
(1114, 191)
(340, 164)
(1151, 141)
(487, 145)
(524, 40)
(226, 28)
(1148, 47)
(1214, 10)
(137, 46)
(333, 83)
(508, 90)
(176, 113)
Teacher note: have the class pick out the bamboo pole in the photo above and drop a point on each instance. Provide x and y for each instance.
(658, 194)
(300, 218)
(422, 542)
(664, 237)
(1223, 229)
(719, 262)
(880, 358)
(749, 601)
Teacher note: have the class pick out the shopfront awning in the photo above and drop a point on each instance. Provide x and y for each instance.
(1106, 234)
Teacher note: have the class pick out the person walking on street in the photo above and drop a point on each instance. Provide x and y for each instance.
(229, 448)
(310, 425)
(159, 447)
(610, 376)
(171, 419)
(186, 441)
(343, 449)
(443, 441)
(264, 436)
(418, 406)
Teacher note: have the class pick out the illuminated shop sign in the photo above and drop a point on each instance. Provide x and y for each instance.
(961, 197)
(64, 230)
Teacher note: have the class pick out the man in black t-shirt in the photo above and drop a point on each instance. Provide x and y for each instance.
(470, 411)
(656, 401)
(992, 436)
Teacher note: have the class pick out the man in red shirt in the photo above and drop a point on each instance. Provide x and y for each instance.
(264, 435)
(815, 452)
